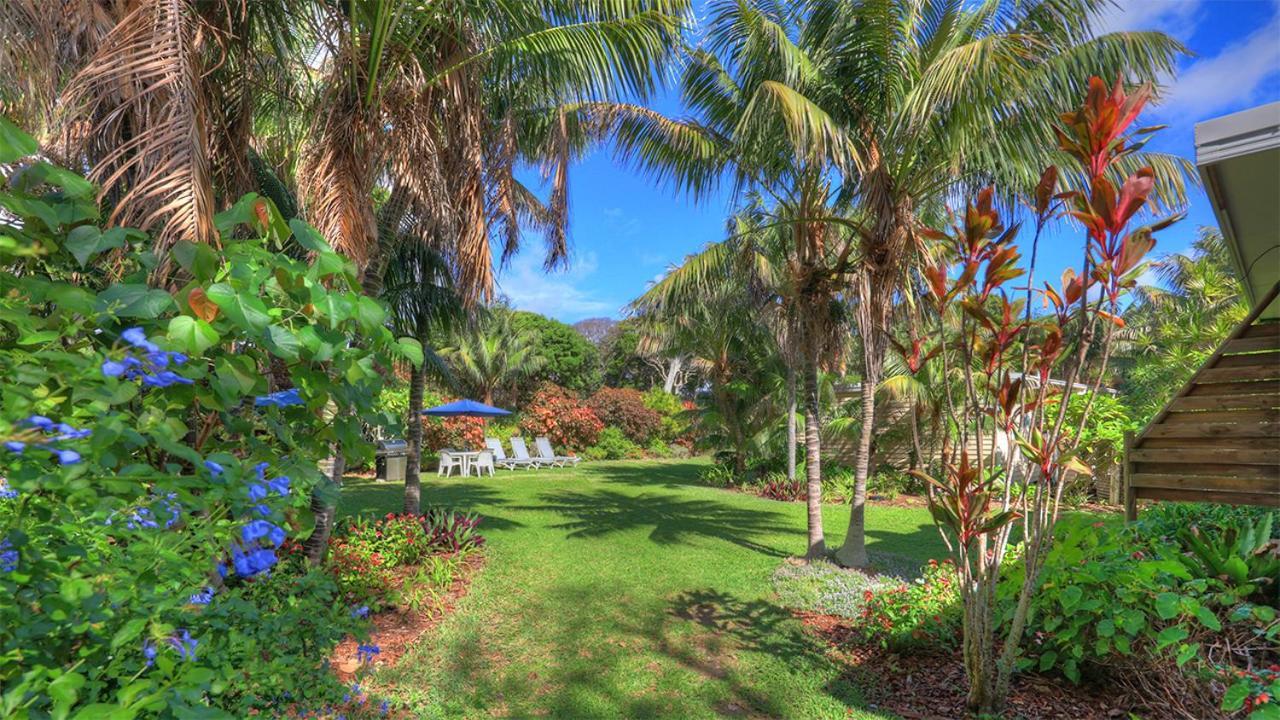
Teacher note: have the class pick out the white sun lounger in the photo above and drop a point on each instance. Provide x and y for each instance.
(500, 456)
(546, 453)
(521, 451)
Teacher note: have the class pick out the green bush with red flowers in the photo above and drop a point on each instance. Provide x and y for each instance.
(562, 417)
(925, 613)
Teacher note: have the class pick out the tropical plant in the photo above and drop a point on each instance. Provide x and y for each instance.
(1007, 361)
(1243, 556)
(568, 358)
(489, 357)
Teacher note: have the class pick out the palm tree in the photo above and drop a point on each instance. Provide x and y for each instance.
(890, 107)
(1175, 323)
(419, 292)
(490, 357)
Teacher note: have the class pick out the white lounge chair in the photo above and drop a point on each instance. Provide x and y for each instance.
(482, 462)
(500, 456)
(448, 461)
(546, 453)
(521, 451)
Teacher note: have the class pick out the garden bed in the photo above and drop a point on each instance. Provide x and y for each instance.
(396, 629)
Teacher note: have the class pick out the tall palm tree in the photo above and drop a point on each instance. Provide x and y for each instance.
(491, 356)
(889, 106)
(418, 289)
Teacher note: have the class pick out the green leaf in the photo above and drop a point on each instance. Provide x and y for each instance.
(283, 342)
(85, 241)
(245, 310)
(370, 312)
(14, 144)
(1070, 597)
(411, 350)
(1106, 629)
(1047, 660)
(1266, 711)
(1167, 605)
(1208, 619)
(1071, 670)
(134, 300)
(1186, 652)
(63, 689)
(308, 237)
(1169, 636)
(192, 335)
(196, 258)
(1233, 699)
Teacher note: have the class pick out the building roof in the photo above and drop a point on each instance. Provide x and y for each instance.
(1239, 160)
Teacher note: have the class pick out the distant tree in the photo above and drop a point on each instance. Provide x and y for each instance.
(492, 358)
(1176, 322)
(595, 329)
(622, 362)
(568, 359)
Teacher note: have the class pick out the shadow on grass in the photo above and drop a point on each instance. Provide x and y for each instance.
(672, 519)
(363, 497)
(671, 474)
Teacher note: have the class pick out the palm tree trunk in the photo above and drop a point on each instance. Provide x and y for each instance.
(853, 553)
(413, 468)
(791, 423)
(813, 455)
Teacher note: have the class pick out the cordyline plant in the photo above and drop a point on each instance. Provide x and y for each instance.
(1007, 362)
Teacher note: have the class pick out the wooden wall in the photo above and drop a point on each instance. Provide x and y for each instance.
(1218, 440)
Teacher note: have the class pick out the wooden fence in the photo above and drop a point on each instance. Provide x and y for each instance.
(1218, 440)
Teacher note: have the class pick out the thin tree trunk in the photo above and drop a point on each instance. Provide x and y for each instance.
(672, 373)
(813, 456)
(791, 423)
(853, 553)
(318, 543)
(413, 467)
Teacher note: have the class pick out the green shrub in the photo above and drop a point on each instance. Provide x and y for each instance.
(625, 409)
(658, 449)
(925, 613)
(826, 588)
(613, 445)
(159, 449)
(675, 423)
(717, 475)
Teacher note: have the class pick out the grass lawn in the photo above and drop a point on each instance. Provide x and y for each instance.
(627, 590)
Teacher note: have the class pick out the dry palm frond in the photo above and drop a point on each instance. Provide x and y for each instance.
(142, 118)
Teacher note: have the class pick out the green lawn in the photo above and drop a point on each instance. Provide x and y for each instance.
(627, 590)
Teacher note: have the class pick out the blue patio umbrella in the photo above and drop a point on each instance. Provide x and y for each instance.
(465, 408)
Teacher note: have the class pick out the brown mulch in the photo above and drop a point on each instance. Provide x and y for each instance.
(396, 630)
(932, 685)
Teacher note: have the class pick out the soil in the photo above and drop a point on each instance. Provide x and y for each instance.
(932, 685)
(395, 630)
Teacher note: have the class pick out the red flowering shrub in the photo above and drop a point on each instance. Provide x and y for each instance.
(560, 416)
(925, 613)
(454, 432)
(625, 409)
(779, 488)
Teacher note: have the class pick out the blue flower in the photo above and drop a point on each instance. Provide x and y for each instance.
(204, 597)
(165, 378)
(41, 422)
(113, 368)
(222, 570)
(136, 337)
(257, 492)
(149, 652)
(173, 508)
(213, 467)
(280, 485)
(15, 446)
(385, 707)
(261, 470)
(141, 518)
(360, 612)
(67, 457)
(8, 557)
(248, 564)
(258, 529)
(366, 653)
(6, 492)
(262, 509)
(283, 398)
(184, 644)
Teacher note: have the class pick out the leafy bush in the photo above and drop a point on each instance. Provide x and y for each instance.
(675, 426)
(452, 432)
(658, 449)
(558, 414)
(1242, 555)
(1165, 520)
(775, 486)
(451, 531)
(717, 475)
(613, 445)
(625, 409)
(890, 482)
(159, 448)
(925, 613)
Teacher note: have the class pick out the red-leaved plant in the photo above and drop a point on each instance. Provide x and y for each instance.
(1007, 369)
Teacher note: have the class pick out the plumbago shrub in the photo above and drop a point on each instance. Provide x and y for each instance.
(160, 443)
(561, 417)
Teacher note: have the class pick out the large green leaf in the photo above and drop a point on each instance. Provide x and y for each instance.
(245, 310)
(14, 144)
(283, 342)
(308, 237)
(85, 241)
(134, 300)
(194, 336)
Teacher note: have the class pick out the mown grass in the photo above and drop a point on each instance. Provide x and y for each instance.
(627, 590)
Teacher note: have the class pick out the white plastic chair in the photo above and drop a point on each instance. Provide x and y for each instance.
(500, 456)
(482, 462)
(448, 462)
(546, 453)
(521, 451)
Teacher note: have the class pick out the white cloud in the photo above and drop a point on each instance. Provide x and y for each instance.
(1227, 80)
(558, 294)
(1175, 17)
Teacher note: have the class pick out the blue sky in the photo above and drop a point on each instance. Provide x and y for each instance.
(626, 230)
